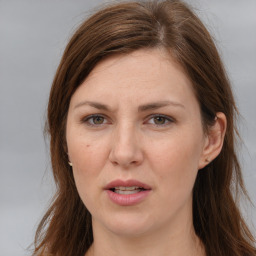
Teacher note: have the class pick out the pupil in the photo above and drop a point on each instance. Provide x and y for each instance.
(98, 120)
(159, 120)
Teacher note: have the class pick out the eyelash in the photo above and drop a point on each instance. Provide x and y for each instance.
(168, 120)
(87, 119)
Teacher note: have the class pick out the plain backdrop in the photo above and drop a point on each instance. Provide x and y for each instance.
(33, 34)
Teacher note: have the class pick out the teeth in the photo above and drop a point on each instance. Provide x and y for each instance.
(127, 192)
(127, 188)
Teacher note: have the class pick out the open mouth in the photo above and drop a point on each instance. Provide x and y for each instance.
(127, 190)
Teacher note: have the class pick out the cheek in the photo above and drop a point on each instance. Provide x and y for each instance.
(179, 150)
(85, 152)
(88, 157)
(88, 161)
(175, 162)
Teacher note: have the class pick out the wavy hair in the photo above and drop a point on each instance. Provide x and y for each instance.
(121, 28)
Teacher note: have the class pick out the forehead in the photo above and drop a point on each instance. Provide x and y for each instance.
(138, 64)
(143, 75)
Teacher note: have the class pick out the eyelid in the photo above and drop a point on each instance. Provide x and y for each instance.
(168, 118)
(87, 118)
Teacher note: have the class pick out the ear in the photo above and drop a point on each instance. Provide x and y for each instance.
(69, 162)
(213, 140)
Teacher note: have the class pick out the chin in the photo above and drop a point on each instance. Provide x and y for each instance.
(127, 225)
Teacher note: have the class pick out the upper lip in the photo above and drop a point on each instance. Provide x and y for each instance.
(126, 183)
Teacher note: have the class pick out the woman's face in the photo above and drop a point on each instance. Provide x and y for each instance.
(135, 139)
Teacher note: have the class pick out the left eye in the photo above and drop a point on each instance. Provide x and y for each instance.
(160, 120)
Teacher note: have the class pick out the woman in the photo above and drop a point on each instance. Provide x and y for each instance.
(141, 119)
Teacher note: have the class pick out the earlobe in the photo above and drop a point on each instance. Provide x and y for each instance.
(214, 140)
(69, 162)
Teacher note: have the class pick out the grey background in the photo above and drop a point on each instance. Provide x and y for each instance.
(33, 35)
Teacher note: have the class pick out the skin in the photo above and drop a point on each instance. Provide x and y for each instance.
(130, 142)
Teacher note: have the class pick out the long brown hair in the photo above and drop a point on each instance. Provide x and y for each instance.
(121, 28)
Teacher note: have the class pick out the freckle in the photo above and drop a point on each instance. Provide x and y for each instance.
(88, 146)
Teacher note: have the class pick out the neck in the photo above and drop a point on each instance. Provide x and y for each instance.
(182, 242)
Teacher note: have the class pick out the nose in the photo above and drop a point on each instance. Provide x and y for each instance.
(126, 148)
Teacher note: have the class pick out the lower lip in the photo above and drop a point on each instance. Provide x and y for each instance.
(127, 200)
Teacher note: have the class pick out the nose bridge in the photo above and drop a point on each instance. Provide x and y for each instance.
(125, 145)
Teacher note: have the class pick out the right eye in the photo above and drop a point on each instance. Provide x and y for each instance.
(95, 120)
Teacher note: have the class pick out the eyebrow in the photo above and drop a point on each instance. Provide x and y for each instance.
(160, 104)
(92, 104)
(142, 108)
